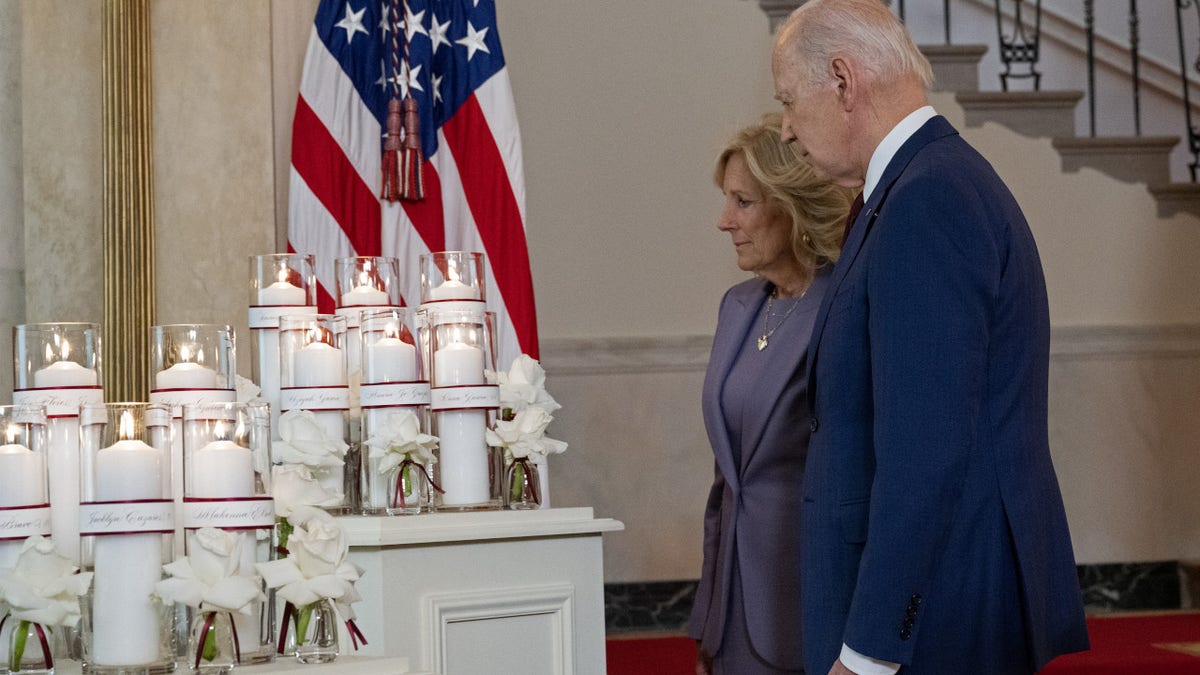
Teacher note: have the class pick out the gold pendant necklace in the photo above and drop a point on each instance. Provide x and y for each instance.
(765, 337)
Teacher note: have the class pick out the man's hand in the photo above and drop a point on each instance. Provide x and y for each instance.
(703, 661)
(839, 669)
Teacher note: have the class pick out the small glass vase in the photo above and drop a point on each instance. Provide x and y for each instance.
(409, 489)
(521, 485)
(212, 646)
(314, 632)
(28, 648)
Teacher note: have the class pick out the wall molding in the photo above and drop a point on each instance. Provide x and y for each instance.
(688, 354)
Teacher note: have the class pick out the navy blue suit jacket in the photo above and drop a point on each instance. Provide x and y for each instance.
(934, 529)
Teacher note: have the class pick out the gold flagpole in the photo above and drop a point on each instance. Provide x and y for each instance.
(129, 268)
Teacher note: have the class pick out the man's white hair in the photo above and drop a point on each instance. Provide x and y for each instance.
(864, 30)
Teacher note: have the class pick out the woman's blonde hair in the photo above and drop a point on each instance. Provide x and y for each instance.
(816, 206)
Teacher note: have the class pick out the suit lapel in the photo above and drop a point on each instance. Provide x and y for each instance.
(937, 127)
(741, 308)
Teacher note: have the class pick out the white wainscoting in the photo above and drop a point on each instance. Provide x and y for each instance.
(1124, 433)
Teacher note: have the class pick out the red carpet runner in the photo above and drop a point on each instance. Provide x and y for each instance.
(1149, 644)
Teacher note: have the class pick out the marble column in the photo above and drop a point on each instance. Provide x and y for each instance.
(12, 205)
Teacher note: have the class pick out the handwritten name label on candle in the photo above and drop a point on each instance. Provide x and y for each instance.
(392, 394)
(59, 402)
(353, 313)
(24, 522)
(96, 518)
(177, 398)
(458, 398)
(268, 317)
(229, 513)
(314, 398)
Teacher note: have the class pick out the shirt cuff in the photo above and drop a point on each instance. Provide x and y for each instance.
(865, 665)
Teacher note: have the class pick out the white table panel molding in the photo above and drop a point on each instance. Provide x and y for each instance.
(468, 593)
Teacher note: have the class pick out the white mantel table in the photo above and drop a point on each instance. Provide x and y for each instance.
(485, 592)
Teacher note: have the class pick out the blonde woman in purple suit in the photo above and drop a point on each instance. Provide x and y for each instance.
(785, 224)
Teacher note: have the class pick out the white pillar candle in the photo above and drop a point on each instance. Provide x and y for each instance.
(319, 364)
(282, 293)
(463, 455)
(221, 470)
(125, 619)
(186, 375)
(225, 470)
(391, 359)
(453, 289)
(279, 294)
(364, 296)
(65, 374)
(62, 456)
(182, 375)
(22, 483)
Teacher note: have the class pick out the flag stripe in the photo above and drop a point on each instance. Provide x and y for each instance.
(327, 172)
(497, 217)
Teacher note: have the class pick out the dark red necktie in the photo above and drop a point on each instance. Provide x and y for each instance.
(855, 209)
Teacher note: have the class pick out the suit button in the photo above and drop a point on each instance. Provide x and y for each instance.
(812, 425)
(905, 634)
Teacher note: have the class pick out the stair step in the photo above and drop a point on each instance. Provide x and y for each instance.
(1176, 198)
(955, 67)
(1133, 159)
(1030, 113)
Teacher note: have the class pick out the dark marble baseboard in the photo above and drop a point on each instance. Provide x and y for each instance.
(664, 606)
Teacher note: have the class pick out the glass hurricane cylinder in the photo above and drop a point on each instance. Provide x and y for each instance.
(126, 523)
(364, 283)
(280, 283)
(313, 637)
(227, 486)
(455, 279)
(463, 403)
(24, 489)
(393, 383)
(57, 365)
(312, 357)
(192, 363)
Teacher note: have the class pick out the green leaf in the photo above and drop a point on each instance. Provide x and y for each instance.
(18, 645)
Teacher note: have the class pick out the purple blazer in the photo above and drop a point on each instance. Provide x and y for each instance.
(753, 510)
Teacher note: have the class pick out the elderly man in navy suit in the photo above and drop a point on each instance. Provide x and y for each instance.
(934, 535)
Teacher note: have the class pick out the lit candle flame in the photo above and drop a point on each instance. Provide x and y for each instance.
(12, 432)
(391, 330)
(185, 354)
(283, 274)
(125, 429)
(219, 431)
(65, 350)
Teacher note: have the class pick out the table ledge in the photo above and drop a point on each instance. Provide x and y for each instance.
(375, 531)
(344, 665)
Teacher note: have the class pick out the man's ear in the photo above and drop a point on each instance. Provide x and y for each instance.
(846, 79)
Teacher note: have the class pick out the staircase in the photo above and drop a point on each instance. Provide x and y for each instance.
(1051, 114)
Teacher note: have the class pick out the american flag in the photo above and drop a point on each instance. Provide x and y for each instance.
(473, 175)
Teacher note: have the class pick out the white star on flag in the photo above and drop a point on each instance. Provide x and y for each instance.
(352, 23)
(414, 23)
(408, 78)
(384, 24)
(474, 41)
(437, 33)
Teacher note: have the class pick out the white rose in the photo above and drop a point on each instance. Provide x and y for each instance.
(319, 547)
(209, 577)
(304, 441)
(43, 586)
(293, 486)
(399, 437)
(524, 385)
(524, 435)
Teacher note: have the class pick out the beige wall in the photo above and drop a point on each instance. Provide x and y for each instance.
(622, 106)
(12, 203)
